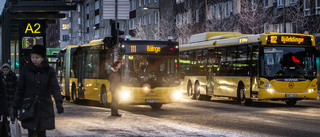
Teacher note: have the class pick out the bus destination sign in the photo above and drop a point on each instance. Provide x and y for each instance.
(289, 40)
(150, 48)
(144, 48)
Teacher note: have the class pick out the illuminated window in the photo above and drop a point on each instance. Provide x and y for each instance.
(65, 26)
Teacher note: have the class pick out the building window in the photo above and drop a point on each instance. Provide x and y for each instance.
(132, 5)
(79, 20)
(209, 12)
(65, 26)
(254, 4)
(79, 8)
(306, 7)
(155, 1)
(197, 15)
(228, 8)
(293, 2)
(149, 20)
(294, 28)
(156, 17)
(96, 19)
(177, 20)
(140, 3)
(144, 20)
(189, 17)
(184, 18)
(132, 24)
(317, 6)
(140, 21)
(96, 5)
(218, 11)
(280, 3)
(265, 3)
(65, 37)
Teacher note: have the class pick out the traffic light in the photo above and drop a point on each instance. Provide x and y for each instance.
(115, 32)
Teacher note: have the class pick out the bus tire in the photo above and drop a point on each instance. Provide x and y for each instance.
(74, 94)
(242, 96)
(291, 103)
(104, 97)
(196, 90)
(189, 89)
(156, 106)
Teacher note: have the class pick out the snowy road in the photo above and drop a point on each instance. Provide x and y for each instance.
(219, 117)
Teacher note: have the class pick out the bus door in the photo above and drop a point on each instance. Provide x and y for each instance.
(254, 69)
(81, 65)
(210, 74)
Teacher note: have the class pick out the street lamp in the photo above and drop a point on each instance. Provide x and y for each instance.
(146, 8)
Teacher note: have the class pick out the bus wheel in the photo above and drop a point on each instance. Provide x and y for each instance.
(74, 94)
(291, 102)
(189, 89)
(242, 97)
(104, 97)
(156, 106)
(196, 94)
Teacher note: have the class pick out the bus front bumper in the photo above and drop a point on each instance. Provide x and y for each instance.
(274, 95)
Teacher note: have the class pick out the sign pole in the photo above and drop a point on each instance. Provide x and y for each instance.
(116, 23)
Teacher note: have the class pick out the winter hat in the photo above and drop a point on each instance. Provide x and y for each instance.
(38, 49)
(6, 65)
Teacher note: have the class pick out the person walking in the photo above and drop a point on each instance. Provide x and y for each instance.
(115, 85)
(4, 112)
(38, 81)
(9, 79)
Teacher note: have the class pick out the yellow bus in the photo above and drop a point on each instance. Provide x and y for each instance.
(270, 66)
(83, 72)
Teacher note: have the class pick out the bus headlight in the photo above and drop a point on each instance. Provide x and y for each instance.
(271, 90)
(177, 95)
(309, 90)
(125, 95)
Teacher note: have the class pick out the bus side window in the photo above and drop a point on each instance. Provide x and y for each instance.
(242, 61)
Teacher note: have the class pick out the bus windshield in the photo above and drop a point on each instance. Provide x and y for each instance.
(288, 62)
(156, 70)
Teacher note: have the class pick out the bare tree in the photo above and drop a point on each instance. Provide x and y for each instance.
(295, 14)
(167, 20)
(190, 20)
(253, 16)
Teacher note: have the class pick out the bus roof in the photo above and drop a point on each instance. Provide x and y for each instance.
(234, 39)
(205, 36)
(98, 41)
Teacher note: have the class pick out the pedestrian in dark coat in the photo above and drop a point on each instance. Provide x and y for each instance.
(4, 112)
(9, 79)
(37, 77)
(115, 85)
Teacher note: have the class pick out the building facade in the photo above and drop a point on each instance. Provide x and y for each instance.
(87, 22)
(183, 18)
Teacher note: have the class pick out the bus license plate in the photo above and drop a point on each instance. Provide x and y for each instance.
(152, 101)
(291, 95)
